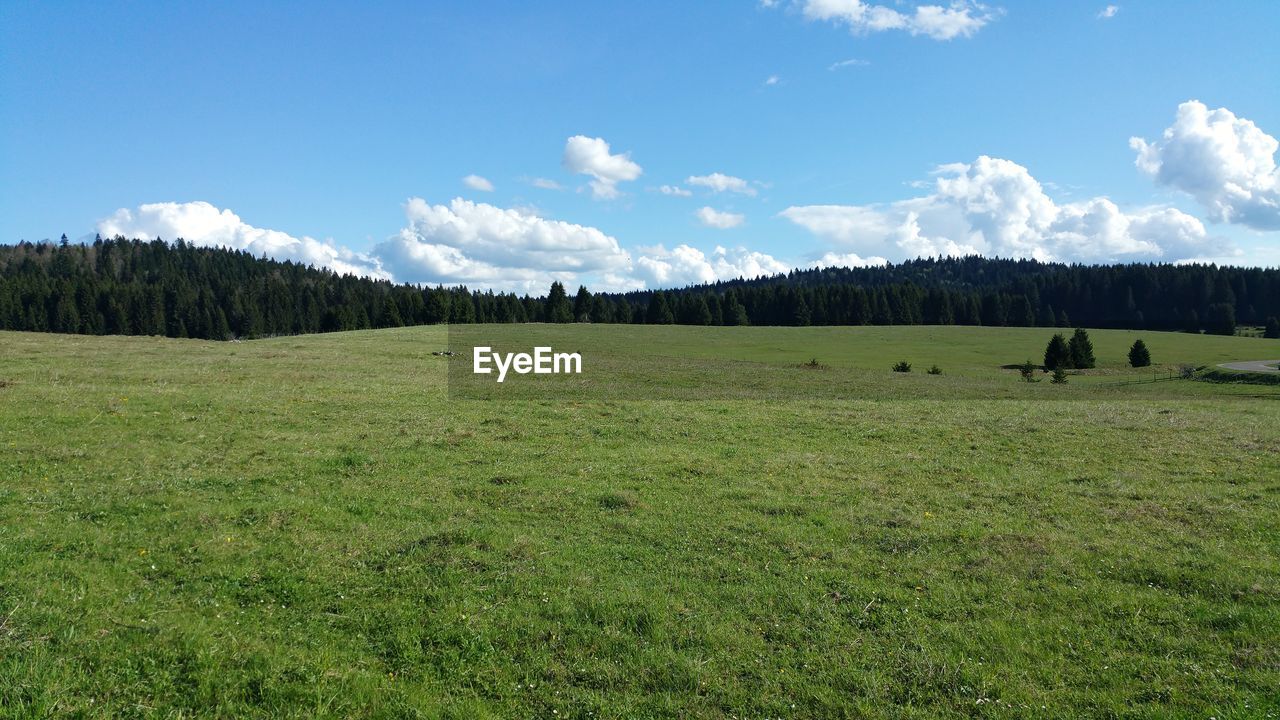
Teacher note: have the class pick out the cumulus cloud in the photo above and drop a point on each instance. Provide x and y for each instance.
(717, 219)
(832, 259)
(590, 156)
(685, 265)
(1108, 12)
(675, 190)
(719, 182)
(504, 248)
(772, 80)
(995, 207)
(200, 223)
(962, 18)
(1225, 162)
(475, 182)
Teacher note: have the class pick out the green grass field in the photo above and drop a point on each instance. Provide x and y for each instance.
(340, 526)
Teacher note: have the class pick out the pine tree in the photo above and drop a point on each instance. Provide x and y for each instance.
(1222, 319)
(702, 313)
(1057, 354)
(1139, 356)
(1059, 376)
(1273, 328)
(558, 308)
(582, 305)
(1081, 350)
(390, 313)
(659, 313)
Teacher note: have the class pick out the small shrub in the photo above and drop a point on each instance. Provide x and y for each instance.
(1059, 376)
(902, 366)
(935, 370)
(1028, 370)
(813, 364)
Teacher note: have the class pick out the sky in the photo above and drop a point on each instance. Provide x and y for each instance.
(628, 145)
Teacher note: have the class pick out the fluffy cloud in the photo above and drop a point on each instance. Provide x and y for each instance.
(475, 182)
(483, 245)
(717, 219)
(674, 190)
(961, 18)
(995, 207)
(719, 182)
(685, 265)
(846, 260)
(591, 157)
(1225, 162)
(203, 224)
(1108, 12)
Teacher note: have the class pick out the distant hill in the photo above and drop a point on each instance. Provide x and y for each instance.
(134, 287)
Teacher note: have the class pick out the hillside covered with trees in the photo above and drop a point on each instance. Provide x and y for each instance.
(134, 287)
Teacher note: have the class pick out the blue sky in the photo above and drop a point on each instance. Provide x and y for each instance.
(341, 133)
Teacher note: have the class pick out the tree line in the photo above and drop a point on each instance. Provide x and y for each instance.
(136, 287)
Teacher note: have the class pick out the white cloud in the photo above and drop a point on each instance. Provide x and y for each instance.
(771, 80)
(719, 182)
(200, 223)
(720, 220)
(675, 190)
(962, 18)
(995, 207)
(1108, 12)
(545, 184)
(832, 259)
(475, 182)
(483, 245)
(685, 265)
(851, 62)
(591, 157)
(1225, 162)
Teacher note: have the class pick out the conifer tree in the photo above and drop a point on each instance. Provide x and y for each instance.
(1057, 354)
(558, 308)
(1081, 350)
(582, 306)
(659, 313)
(1139, 356)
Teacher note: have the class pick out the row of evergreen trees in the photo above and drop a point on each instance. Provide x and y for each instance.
(121, 286)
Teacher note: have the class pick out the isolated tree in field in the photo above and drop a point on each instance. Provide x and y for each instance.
(902, 366)
(558, 308)
(1273, 328)
(1081, 349)
(659, 312)
(582, 305)
(1059, 376)
(1139, 356)
(1057, 354)
(935, 370)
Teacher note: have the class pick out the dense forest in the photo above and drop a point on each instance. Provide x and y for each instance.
(134, 287)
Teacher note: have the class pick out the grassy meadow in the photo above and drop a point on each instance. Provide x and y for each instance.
(346, 525)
